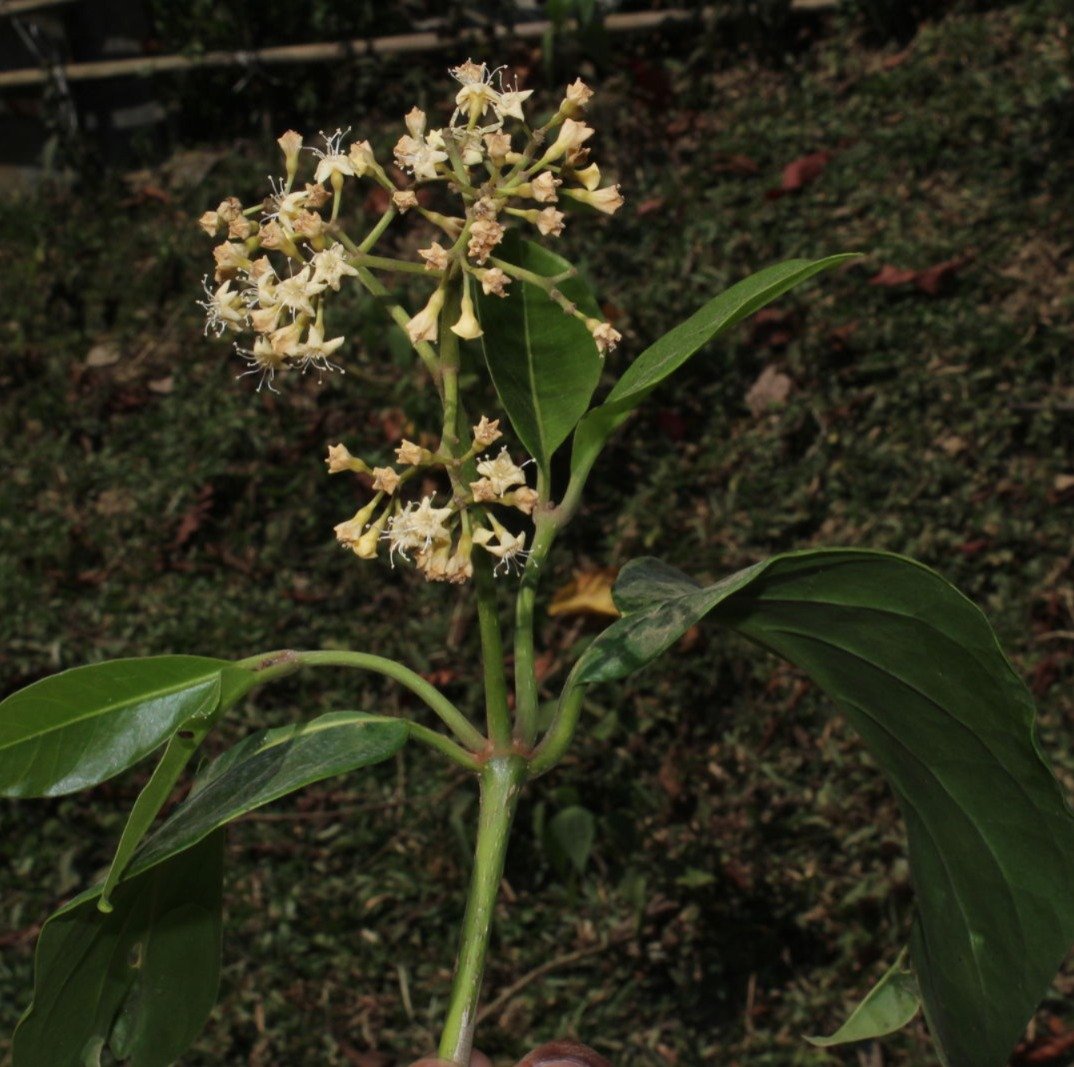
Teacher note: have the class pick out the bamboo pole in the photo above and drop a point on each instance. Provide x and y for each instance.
(398, 44)
(21, 7)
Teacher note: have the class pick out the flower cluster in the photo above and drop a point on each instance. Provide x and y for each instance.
(439, 540)
(278, 260)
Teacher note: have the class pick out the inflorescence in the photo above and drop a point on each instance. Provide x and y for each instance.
(280, 259)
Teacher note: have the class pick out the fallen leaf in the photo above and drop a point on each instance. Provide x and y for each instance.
(587, 593)
(103, 354)
(650, 207)
(800, 173)
(736, 164)
(771, 390)
(1063, 482)
(162, 385)
(191, 520)
(931, 280)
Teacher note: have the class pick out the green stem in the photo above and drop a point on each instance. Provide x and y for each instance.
(488, 618)
(272, 665)
(555, 743)
(500, 786)
(525, 656)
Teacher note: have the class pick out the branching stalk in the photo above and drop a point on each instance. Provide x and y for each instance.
(272, 665)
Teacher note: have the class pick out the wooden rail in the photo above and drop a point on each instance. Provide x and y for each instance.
(399, 44)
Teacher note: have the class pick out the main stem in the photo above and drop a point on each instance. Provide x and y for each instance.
(500, 784)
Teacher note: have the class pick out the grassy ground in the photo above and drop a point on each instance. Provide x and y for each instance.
(748, 876)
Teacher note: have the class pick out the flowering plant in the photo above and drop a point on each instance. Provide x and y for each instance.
(130, 967)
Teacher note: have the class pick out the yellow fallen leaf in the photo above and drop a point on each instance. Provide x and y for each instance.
(587, 593)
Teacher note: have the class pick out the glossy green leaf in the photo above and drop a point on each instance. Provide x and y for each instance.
(268, 765)
(666, 355)
(887, 1007)
(150, 800)
(543, 361)
(78, 728)
(138, 982)
(917, 671)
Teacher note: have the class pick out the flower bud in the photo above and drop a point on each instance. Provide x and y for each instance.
(468, 328)
(423, 326)
(609, 199)
(291, 144)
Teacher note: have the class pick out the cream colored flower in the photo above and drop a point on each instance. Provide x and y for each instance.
(308, 224)
(486, 432)
(315, 350)
(419, 156)
(459, 567)
(486, 207)
(476, 95)
(550, 222)
(423, 326)
(415, 122)
(230, 259)
(497, 145)
(544, 186)
(330, 267)
(272, 235)
(467, 326)
(239, 229)
(290, 144)
(404, 200)
(609, 199)
(571, 136)
(224, 309)
(340, 460)
(287, 340)
(606, 336)
(412, 455)
(509, 104)
(436, 257)
(578, 95)
(361, 158)
(588, 176)
(297, 291)
(348, 533)
(502, 472)
(485, 235)
(493, 281)
(507, 547)
(483, 491)
(263, 360)
(230, 209)
(333, 166)
(316, 196)
(385, 479)
(524, 498)
(418, 527)
(366, 545)
(210, 223)
(266, 319)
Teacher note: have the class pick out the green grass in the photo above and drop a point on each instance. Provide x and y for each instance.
(749, 870)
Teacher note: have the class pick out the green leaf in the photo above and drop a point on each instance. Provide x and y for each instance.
(917, 671)
(139, 981)
(544, 362)
(571, 833)
(78, 728)
(887, 1007)
(268, 765)
(236, 682)
(666, 355)
(150, 800)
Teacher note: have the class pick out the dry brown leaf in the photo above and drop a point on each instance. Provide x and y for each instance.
(103, 354)
(771, 390)
(587, 593)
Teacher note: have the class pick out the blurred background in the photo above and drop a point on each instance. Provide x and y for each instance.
(717, 869)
